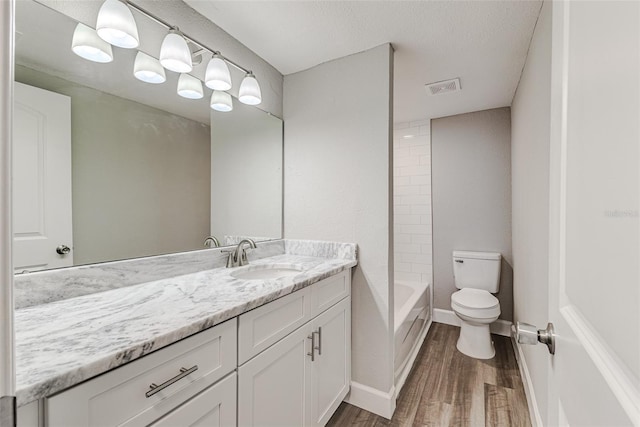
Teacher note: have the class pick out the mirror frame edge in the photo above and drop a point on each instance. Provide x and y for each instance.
(7, 350)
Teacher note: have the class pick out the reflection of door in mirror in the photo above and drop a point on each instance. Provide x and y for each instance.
(41, 179)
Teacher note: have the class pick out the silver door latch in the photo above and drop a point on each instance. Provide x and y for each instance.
(529, 334)
(63, 250)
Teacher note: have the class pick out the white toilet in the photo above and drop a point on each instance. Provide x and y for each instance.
(477, 275)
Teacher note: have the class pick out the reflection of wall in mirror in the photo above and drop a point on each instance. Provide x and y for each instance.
(246, 173)
(141, 176)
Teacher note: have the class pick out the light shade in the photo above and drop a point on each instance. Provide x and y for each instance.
(250, 90)
(217, 76)
(148, 69)
(175, 54)
(88, 45)
(221, 101)
(116, 25)
(189, 87)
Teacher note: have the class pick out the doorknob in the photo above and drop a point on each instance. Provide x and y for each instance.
(63, 249)
(529, 334)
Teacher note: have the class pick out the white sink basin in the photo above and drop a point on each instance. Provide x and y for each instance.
(266, 272)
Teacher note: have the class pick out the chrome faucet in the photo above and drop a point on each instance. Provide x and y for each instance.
(238, 257)
(211, 240)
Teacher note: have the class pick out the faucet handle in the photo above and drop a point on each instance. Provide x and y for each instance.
(243, 260)
(230, 260)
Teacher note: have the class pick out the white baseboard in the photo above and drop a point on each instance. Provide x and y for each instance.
(372, 400)
(448, 317)
(412, 358)
(534, 412)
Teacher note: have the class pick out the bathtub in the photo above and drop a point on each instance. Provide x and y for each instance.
(411, 315)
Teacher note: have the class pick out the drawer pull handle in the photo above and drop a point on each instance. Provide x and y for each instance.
(312, 337)
(154, 388)
(319, 347)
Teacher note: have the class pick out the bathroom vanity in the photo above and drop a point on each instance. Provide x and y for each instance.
(205, 347)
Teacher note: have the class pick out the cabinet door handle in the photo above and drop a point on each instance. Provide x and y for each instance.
(319, 347)
(154, 388)
(312, 337)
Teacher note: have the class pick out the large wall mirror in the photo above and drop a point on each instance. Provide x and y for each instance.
(112, 168)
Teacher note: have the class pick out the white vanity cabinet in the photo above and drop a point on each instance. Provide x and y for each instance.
(303, 376)
(285, 363)
(142, 392)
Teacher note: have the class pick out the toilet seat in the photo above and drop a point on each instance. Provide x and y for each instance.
(475, 303)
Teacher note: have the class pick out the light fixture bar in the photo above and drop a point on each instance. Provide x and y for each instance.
(169, 26)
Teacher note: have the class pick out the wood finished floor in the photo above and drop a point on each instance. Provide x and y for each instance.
(447, 388)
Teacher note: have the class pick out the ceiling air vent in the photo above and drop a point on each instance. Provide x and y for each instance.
(446, 86)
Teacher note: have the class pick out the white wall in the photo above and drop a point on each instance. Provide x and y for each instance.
(246, 173)
(412, 201)
(471, 184)
(530, 121)
(338, 160)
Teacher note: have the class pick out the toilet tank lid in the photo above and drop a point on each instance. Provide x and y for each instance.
(477, 255)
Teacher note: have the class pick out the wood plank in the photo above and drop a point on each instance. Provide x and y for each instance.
(504, 407)
(447, 388)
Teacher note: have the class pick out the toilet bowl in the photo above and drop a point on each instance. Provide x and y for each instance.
(477, 275)
(477, 309)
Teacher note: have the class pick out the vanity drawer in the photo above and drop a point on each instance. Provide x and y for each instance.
(264, 326)
(328, 292)
(216, 406)
(267, 324)
(123, 396)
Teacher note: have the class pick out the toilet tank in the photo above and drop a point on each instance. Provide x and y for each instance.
(477, 270)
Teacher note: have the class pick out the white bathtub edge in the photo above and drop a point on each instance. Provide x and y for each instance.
(448, 317)
(372, 400)
(420, 288)
(412, 358)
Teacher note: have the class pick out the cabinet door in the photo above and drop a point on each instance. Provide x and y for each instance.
(274, 387)
(214, 407)
(331, 369)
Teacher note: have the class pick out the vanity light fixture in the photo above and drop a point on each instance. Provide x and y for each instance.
(217, 76)
(88, 45)
(115, 25)
(190, 87)
(221, 101)
(148, 69)
(175, 54)
(250, 90)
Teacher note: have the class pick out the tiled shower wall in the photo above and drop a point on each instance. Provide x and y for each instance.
(412, 201)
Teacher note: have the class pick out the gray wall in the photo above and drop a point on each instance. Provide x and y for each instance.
(530, 130)
(338, 163)
(140, 176)
(471, 182)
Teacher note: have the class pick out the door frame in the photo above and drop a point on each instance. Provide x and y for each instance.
(7, 367)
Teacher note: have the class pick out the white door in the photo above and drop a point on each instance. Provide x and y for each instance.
(274, 386)
(41, 179)
(331, 367)
(594, 283)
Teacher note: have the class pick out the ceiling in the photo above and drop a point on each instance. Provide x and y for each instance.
(484, 43)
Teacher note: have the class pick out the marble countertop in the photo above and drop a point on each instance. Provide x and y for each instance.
(65, 342)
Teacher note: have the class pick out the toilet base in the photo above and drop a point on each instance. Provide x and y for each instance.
(475, 341)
